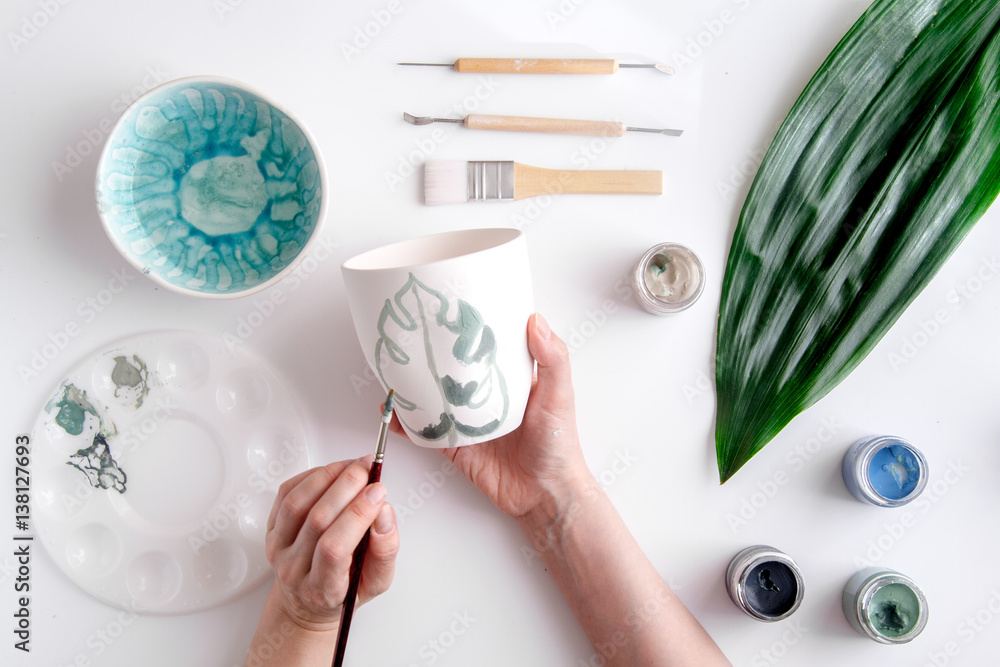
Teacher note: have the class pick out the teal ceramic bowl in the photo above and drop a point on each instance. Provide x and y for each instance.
(209, 188)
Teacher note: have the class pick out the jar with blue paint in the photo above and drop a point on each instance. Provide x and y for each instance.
(884, 470)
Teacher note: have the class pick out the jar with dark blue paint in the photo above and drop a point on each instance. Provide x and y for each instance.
(765, 583)
(884, 470)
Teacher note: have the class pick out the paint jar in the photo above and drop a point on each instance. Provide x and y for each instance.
(885, 605)
(765, 583)
(669, 278)
(884, 470)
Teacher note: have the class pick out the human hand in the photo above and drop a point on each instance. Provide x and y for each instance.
(541, 460)
(317, 520)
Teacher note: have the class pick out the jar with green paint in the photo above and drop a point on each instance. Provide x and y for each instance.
(885, 606)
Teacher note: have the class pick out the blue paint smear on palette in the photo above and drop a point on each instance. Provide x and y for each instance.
(208, 187)
(894, 472)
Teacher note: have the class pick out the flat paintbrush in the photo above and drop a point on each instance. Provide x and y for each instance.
(454, 182)
(359, 554)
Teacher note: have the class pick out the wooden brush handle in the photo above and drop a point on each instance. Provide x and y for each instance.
(597, 128)
(536, 66)
(535, 181)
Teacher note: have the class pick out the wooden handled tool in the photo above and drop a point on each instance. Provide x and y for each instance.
(536, 181)
(455, 182)
(541, 65)
(547, 125)
(598, 128)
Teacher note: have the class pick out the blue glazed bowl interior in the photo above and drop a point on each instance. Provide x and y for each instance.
(208, 188)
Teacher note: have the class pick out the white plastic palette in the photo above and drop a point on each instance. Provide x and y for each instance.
(156, 462)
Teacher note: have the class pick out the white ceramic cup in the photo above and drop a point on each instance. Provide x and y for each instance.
(442, 320)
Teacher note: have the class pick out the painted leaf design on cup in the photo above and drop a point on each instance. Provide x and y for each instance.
(423, 333)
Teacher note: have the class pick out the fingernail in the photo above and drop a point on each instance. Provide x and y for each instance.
(375, 493)
(386, 520)
(542, 327)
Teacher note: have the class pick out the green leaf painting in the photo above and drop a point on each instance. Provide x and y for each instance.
(883, 165)
(440, 358)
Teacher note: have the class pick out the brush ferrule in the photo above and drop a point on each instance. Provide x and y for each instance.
(491, 180)
(380, 445)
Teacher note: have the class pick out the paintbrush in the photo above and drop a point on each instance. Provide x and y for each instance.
(542, 65)
(359, 554)
(455, 182)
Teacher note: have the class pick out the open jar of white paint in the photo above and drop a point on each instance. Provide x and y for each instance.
(668, 278)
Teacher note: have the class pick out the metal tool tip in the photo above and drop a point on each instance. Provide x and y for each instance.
(418, 120)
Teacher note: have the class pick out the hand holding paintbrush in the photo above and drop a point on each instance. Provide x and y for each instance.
(316, 518)
(357, 563)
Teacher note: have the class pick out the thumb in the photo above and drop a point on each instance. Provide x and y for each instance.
(380, 561)
(554, 391)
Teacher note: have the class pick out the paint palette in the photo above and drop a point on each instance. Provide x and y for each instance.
(155, 465)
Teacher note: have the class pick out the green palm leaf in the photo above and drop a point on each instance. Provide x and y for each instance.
(886, 161)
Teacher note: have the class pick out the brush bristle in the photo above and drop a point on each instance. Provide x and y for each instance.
(446, 182)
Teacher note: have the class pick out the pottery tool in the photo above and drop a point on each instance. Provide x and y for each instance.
(542, 65)
(456, 182)
(359, 554)
(597, 128)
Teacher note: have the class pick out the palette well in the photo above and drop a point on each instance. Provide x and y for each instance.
(156, 461)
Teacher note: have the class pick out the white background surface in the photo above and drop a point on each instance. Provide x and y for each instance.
(643, 391)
